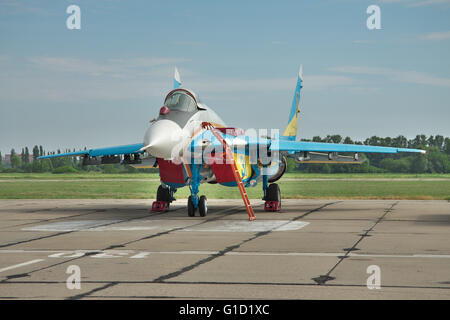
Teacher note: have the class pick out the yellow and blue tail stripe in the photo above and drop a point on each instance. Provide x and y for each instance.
(290, 133)
(176, 79)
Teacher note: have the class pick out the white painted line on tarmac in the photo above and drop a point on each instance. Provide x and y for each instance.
(431, 256)
(67, 255)
(338, 254)
(301, 254)
(146, 225)
(185, 252)
(140, 255)
(247, 226)
(21, 265)
(71, 225)
(45, 251)
(105, 225)
(136, 228)
(144, 254)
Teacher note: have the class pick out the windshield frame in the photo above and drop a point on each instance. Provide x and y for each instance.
(185, 92)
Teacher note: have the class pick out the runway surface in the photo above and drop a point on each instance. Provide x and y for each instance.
(313, 249)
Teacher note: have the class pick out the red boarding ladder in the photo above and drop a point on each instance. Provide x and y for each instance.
(237, 176)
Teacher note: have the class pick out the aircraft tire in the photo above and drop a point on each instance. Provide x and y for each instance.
(273, 193)
(163, 194)
(203, 206)
(191, 208)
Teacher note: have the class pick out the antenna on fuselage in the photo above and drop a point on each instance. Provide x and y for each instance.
(176, 79)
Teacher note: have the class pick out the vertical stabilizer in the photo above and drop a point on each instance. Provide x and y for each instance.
(176, 79)
(290, 133)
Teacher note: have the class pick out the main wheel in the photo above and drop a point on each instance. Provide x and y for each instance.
(163, 194)
(273, 193)
(191, 207)
(202, 206)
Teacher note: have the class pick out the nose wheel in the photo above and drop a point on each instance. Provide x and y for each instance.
(191, 207)
(202, 206)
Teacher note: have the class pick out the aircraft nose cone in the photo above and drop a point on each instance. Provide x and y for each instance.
(162, 138)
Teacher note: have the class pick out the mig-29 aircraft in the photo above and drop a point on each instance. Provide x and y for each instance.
(191, 144)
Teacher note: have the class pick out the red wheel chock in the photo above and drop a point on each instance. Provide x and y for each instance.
(272, 206)
(160, 206)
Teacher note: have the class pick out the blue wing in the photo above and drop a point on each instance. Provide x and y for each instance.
(125, 149)
(297, 146)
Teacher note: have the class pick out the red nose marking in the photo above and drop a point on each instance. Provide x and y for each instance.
(164, 110)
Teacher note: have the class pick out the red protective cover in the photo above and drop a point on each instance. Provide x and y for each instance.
(222, 171)
(170, 172)
(160, 206)
(272, 206)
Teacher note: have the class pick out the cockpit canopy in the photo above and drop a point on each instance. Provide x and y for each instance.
(180, 100)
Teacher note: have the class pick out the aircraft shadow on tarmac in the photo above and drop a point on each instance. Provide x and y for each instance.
(434, 219)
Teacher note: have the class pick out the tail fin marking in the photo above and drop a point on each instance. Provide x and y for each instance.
(290, 133)
(176, 79)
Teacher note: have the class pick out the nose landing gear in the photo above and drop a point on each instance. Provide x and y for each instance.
(202, 206)
(194, 202)
(191, 207)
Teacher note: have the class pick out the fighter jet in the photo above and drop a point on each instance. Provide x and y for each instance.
(191, 145)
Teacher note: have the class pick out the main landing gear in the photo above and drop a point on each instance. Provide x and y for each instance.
(273, 198)
(164, 196)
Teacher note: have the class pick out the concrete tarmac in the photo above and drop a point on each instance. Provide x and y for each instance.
(312, 249)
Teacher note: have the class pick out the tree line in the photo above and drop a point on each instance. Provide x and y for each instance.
(436, 160)
(21, 163)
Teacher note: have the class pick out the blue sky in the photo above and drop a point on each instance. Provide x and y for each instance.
(100, 85)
